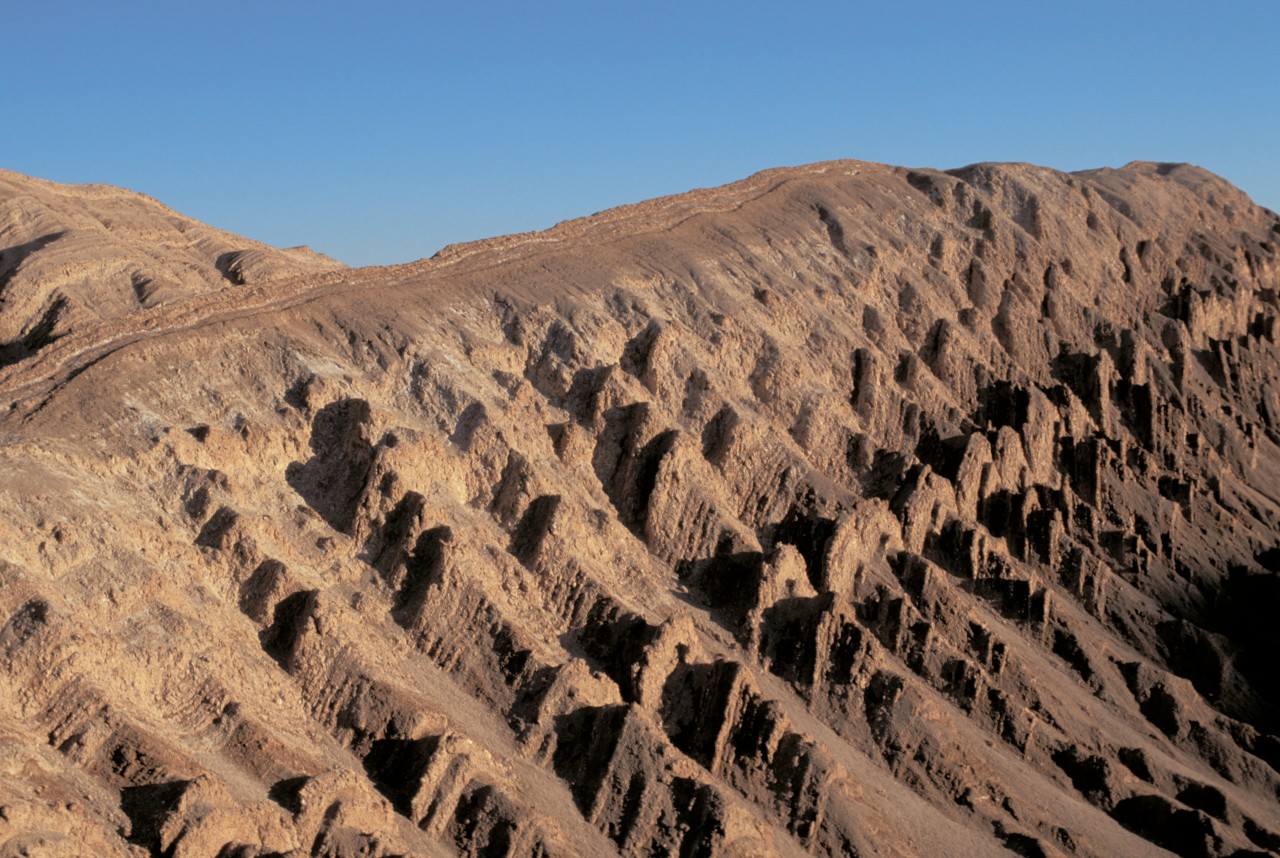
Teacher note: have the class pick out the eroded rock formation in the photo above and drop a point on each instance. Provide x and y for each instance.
(847, 510)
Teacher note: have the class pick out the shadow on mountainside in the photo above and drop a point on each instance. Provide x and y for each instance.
(331, 480)
(40, 334)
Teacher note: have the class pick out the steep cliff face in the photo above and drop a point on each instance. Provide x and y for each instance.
(847, 510)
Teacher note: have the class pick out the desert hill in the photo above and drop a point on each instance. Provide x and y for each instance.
(75, 254)
(845, 510)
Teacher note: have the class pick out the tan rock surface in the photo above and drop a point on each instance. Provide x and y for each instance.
(78, 254)
(847, 509)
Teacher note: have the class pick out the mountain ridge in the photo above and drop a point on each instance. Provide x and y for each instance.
(885, 511)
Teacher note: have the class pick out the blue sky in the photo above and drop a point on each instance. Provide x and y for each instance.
(380, 131)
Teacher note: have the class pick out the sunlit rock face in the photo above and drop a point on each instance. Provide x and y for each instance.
(846, 510)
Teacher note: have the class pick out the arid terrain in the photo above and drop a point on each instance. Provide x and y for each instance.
(845, 510)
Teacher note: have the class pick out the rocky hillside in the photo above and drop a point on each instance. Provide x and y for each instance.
(75, 254)
(846, 510)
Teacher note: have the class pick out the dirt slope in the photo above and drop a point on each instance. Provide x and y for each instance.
(76, 254)
(846, 510)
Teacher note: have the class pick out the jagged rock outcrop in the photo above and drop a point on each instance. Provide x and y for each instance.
(846, 510)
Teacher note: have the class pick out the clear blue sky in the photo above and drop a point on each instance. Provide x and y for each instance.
(380, 131)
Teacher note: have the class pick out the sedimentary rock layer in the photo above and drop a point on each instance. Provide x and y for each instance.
(847, 510)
